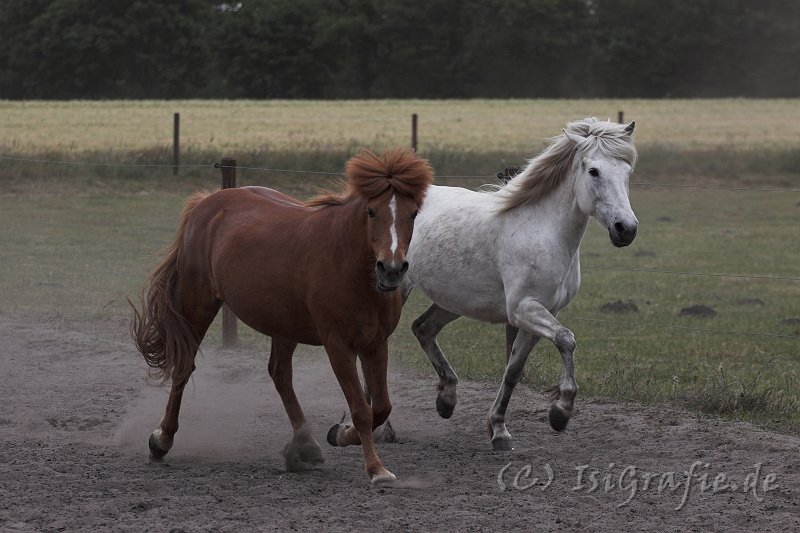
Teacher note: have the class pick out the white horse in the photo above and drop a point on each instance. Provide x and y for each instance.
(510, 255)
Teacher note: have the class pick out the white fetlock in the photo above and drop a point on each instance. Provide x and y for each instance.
(383, 478)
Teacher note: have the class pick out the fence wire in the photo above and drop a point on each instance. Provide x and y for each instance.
(322, 173)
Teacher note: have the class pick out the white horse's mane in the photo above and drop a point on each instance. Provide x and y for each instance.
(547, 170)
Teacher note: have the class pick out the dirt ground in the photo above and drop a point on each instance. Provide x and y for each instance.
(76, 410)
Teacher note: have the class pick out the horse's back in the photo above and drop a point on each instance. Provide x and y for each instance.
(275, 196)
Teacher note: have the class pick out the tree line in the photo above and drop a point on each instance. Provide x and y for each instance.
(64, 49)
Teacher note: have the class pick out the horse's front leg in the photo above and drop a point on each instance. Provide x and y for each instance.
(343, 361)
(523, 343)
(426, 328)
(375, 366)
(531, 316)
(387, 434)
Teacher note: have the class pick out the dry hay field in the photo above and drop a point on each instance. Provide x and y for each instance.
(460, 124)
(76, 405)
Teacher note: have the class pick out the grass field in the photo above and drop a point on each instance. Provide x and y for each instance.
(77, 240)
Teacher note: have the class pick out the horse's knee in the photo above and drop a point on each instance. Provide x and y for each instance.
(565, 340)
(362, 417)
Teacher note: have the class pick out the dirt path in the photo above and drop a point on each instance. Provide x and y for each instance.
(76, 411)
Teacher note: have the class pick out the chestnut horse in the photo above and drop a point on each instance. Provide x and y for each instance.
(323, 272)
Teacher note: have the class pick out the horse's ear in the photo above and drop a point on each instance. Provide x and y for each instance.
(629, 127)
(577, 139)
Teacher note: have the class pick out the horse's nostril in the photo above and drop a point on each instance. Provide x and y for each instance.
(379, 265)
(620, 227)
(404, 267)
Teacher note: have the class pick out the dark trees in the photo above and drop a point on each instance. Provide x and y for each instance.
(384, 48)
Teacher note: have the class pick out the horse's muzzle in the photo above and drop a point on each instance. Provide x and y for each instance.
(622, 233)
(390, 275)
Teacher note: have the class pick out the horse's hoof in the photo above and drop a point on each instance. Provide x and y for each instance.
(312, 455)
(503, 445)
(382, 479)
(444, 409)
(558, 418)
(155, 451)
(302, 457)
(333, 434)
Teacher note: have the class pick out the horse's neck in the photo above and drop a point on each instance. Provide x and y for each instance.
(347, 241)
(558, 215)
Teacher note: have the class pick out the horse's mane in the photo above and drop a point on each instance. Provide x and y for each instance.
(546, 171)
(370, 175)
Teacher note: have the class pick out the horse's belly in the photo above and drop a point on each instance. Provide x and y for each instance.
(274, 316)
(485, 302)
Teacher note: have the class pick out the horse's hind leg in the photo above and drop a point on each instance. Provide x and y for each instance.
(161, 439)
(303, 448)
(511, 336)
(426, 328)
(523, 343)
(199, 313)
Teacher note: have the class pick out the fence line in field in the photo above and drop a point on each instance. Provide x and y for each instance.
(324, 173)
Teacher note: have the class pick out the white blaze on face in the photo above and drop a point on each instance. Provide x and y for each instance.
(393, 228)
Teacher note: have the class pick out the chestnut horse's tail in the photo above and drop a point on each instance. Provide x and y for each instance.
(162, 334)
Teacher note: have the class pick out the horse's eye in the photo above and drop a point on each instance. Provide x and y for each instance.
(370, 212)
(593, 172)
(414, 215)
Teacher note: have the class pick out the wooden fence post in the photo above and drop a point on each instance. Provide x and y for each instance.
(176, 143)
(414, 132)
(620, 117)
(230, 324)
